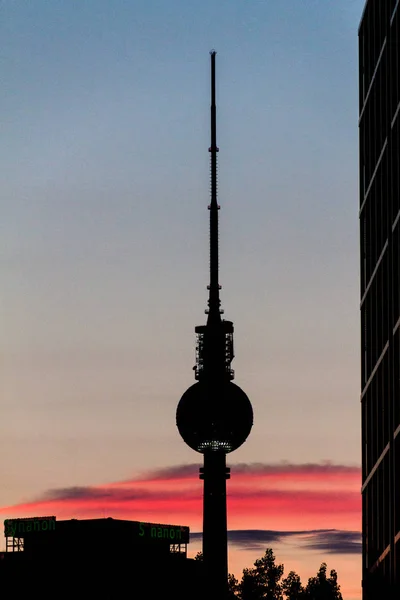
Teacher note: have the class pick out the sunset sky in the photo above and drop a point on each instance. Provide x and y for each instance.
(104, 256)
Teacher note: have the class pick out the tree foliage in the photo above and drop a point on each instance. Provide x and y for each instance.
(322, 587)
(292, 588)
(233, 587)
(264, 582)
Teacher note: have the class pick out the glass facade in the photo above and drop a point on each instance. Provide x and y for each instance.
(379, 134)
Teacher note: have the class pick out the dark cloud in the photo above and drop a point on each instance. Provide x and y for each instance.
(114, 494)
(326, 467)
(175, 472)
(336, 542)
(331, 541)
(248, 539)
(288, 467)
(73, 493)
(191, 471)
(142, 487)
(124, 494)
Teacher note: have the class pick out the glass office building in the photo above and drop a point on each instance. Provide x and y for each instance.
(379, 133)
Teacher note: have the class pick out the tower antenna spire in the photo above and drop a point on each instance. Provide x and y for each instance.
(214, 311)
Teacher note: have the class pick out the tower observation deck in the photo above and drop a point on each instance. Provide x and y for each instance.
(214, 415)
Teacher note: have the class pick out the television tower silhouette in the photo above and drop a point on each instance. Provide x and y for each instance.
(214, 416)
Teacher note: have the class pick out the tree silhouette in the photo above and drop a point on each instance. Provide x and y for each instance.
(292, 588)
(322, 587)
(233, 587)
(262, 581)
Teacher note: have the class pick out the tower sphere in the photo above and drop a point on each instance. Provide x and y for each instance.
(214, 416)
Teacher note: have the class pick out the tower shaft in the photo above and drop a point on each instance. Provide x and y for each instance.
(215, 539)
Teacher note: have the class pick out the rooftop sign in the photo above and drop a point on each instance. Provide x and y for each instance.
(175, 534)
(20, 527)
(141, 532)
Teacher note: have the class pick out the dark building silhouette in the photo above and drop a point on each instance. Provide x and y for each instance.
(98, 558)
(214, 416)
(379, 131)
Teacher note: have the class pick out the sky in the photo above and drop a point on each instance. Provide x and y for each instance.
(104, 190)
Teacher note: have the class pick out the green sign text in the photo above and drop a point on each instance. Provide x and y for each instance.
(19, 527)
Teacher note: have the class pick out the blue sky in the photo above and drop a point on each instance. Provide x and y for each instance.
(104, 192)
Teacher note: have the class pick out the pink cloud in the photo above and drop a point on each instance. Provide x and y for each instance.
(321, 494)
